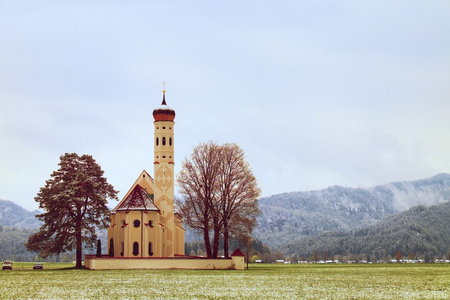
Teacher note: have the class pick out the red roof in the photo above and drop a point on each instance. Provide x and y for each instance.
(164, 113)
(238, 252)
(138, 199)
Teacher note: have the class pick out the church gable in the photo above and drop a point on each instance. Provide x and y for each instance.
(145, 181)
(138, 199)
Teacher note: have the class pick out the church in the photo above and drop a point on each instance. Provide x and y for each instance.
(144, 223)
(145, 230)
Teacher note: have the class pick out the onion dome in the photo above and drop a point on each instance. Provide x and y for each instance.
(164, 113)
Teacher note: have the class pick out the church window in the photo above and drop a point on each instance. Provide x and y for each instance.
(164, 127)
(170, 141)
(123, 248)
(136, 223)
(163, 141)
(150, 252)
(123, 223)
(157, 141)
(164, 156)
(150, 223)
(135, 248)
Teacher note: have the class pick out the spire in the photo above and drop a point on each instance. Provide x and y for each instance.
(164, 113)
(164, 94)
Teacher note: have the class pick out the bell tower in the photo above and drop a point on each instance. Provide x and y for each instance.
(164, 173)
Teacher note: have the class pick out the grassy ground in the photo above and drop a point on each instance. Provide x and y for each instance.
(377, 281)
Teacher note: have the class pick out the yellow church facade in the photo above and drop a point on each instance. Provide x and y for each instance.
(144, 223)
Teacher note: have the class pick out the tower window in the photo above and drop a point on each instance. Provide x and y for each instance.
(170, 141)
(136, 223)
(164, 141)
(123, 248)
(164, 127)
(135, 248)
(150, 223)
(157, 141)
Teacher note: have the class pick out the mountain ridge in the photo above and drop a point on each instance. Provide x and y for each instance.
(288, 216)
(13, 215)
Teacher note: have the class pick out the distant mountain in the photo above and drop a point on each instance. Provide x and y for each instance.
(289, 216)
(14, 215)
(420, 230)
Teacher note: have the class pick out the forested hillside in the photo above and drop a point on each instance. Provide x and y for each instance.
(12, 242)
(286, 217)
(420, 230)
(14, 215)
(16, 225)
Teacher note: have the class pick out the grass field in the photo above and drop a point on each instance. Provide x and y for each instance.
(377, 281)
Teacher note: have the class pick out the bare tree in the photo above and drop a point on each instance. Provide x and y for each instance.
(220, 194)
(245, 240)
(197, 181)
(239, 192)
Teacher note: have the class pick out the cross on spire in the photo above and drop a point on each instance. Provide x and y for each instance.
(164, 94)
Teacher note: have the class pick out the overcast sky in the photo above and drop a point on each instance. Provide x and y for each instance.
(317, 93)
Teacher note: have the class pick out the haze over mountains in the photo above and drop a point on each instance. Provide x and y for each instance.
(289, 216)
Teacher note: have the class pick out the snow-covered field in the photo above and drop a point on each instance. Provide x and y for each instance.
(378, 281)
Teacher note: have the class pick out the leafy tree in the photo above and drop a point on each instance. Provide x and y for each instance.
(74, 204)
(398, 256)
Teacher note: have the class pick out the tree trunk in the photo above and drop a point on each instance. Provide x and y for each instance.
(78, 240)
(225, 238)
(207, 243)
(248, 248)
(79, 250)
(99, 248)
(216, 242)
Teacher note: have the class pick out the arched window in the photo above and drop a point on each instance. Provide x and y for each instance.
(170, 141)
(163, 141)
(150, 223)
(136, 223)
(123, 248)
(150, 252)
(157, 141)
(135, 248)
